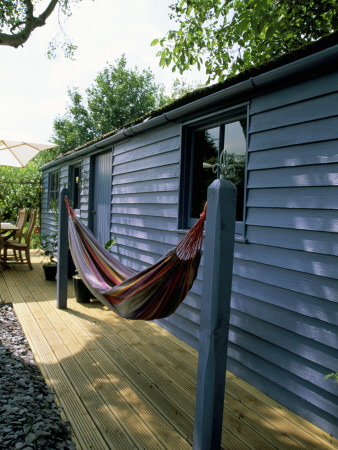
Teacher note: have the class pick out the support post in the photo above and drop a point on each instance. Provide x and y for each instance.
(215, 312)
(62, 257)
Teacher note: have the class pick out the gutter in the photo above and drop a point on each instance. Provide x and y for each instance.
(308, 64)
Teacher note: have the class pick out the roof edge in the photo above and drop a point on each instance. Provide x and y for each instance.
(307, 64)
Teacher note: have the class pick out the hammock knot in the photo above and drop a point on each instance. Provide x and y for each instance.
(188, 247)
(71, 213)
(203, 214)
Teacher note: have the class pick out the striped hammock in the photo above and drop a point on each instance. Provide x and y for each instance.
(155, 292)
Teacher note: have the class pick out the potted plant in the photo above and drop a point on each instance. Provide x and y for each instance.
(48, 247)
(82, 293)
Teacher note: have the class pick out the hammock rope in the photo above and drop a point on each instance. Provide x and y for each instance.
(155, 292)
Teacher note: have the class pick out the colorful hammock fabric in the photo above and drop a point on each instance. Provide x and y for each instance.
(153, 293)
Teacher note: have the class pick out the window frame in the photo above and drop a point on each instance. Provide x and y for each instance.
(214, 119)
(53, 193)
(72, 184)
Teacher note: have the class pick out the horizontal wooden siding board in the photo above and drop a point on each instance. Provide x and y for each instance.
(320, 198)
(319, 175)
(294, 155)
(315, 131)
(298, 219)
(308, 241)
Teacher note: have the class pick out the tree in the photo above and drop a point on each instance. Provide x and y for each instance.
(227, 36)
(20, 188)
(181, 87)
(18, 19)
(118, 96)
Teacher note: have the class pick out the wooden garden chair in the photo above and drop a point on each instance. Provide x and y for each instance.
(21, 247)
(20, 223)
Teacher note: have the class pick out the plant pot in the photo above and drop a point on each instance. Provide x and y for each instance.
(71, 266)
(50, 271)
(82, 293)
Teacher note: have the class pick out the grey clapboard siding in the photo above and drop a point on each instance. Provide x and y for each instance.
(284, 334)
(304, 347)
(298, 219)
(293, 301)
(293, 94)
(145, 195)
(295, 155)
(144, 211)
(84, 198)
(295, 260)
(325, 175)
(308, 241)
(302, 133)
(320, 198)
(316, 108)
(323, 288)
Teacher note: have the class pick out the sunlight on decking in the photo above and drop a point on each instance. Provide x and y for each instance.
(128, 384)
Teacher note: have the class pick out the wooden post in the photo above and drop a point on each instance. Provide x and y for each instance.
(62, 258)
(215, 312)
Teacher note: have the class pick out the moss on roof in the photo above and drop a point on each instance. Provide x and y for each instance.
(307, 50)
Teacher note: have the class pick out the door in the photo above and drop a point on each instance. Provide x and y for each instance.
(102, 196)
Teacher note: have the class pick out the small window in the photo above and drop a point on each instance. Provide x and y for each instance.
(203, 142)
(54, 187)
(76, 183)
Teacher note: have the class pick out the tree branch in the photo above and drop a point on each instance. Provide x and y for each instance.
(30, 24)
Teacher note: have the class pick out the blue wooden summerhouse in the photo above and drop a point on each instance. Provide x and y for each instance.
(145, 184)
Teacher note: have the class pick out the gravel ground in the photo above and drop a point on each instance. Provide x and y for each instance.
(29, 417)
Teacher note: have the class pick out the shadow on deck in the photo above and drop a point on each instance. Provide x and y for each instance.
(129, 384)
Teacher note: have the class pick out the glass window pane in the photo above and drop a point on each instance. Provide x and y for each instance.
(54, 189)
(235, 146)
(205, 155)
(76, 187)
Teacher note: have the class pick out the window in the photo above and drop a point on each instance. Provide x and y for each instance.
(75, 186)
(54, 187)
(203, 143)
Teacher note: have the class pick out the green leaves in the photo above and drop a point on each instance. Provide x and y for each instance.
(117, 96)
(232, 35)
(18, 19)
(110, 243)
(20, 188)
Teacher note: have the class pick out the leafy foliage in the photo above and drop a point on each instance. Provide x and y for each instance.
(20, 188)
(20, 18)
(227, 36)
(118, 95)
(181, 87)
(333, 375)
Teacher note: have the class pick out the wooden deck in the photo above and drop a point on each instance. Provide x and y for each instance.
(126, 385)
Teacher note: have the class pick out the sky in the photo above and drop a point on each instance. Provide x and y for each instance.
(33, 88)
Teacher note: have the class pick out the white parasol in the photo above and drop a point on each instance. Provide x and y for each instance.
(19, 153)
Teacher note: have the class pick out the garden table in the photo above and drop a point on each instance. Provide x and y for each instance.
(7, 230)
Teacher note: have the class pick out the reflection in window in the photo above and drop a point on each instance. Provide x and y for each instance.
(205, 155)
(207, 146)
(54, 186)
(235, 146)
(76, 187)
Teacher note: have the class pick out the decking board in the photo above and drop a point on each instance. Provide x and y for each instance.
(86, 435)
(129, 384)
